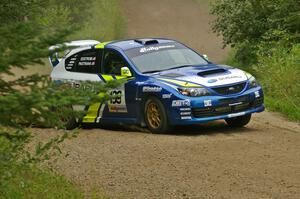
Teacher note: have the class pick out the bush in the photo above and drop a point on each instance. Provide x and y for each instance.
(27, 30)
(279, 73)
(246, 24)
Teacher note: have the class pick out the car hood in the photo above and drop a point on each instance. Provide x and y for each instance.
(208, 75)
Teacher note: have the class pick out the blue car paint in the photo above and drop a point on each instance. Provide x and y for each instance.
(135, 97)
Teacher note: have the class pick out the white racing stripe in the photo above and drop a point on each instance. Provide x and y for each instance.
(102, 106)
(234, 76)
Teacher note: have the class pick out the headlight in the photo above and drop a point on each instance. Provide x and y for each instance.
(252, 82)
(194, 92)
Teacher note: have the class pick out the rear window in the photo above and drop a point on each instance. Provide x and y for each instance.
(88, 61)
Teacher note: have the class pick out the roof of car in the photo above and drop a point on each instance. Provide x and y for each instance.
(137, 43)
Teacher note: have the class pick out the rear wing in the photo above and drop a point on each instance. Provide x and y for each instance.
(55, 56)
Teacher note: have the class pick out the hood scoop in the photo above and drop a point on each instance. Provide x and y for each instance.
(211, 72)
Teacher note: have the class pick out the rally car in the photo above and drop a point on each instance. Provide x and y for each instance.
(168, 84)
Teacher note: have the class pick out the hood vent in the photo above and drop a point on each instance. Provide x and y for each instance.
(211, 72)
(146, 41)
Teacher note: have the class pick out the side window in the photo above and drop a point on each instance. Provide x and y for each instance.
(113, 62)
(88, 61)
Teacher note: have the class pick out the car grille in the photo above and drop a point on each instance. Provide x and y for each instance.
(233, 89)
(228, 106)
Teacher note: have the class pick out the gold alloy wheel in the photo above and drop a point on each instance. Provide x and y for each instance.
(153, 115)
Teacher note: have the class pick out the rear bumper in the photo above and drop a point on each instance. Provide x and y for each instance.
(209, 108)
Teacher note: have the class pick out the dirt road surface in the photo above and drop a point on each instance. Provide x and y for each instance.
(205, 161)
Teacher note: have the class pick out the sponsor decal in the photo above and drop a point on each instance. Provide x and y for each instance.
(166, 96)
(185, 113)
(186, 118)
(117, 103)
(177, 103)
(207, 103)
(212, 81)
(230, 77)
(236, 114)
(154, 89)
(236, 104)
(139, 83)
(117, 109)
(155, 48)
(185, 109)
(87, 58)
(86, 61)
(257, 94)
(83, 63)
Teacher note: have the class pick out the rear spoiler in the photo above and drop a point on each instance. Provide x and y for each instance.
(55, 58)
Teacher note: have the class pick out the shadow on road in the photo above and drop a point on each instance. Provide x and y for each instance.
(211, 128)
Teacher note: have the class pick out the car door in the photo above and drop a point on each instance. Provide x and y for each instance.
(121, 106)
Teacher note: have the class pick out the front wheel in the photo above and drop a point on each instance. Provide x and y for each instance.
(155, 116)
(238, 121)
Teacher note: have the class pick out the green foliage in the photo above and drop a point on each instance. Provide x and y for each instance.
(25, 36)
(104, 23)
(31, 182)
(19, 179)
(279, 73)
(27, 29)
(265, 36)
(247, 24)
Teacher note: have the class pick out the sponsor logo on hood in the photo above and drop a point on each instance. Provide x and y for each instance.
(230, 77)
(212, 81)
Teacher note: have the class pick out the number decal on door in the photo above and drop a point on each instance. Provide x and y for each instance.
(117, 98)
(117, 104)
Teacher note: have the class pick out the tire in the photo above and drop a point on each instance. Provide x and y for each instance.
(155, 116)
(238, 121)
(71, 124)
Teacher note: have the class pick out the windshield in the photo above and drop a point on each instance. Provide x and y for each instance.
(162, 57)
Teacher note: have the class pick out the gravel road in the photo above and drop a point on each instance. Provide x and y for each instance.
(261, 160)
(205, 161)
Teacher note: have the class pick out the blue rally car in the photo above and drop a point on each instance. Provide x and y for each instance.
(167, 84)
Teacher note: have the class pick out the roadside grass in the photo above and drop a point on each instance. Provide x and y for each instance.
(34, 183)
(279, 76)
(105, 22)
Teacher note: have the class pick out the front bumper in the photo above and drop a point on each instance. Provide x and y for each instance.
(209, 108)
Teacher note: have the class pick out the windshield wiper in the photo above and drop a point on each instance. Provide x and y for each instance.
(155, 71)
(152, 71)
(183, 66)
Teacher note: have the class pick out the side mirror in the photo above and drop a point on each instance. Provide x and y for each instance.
(125, 72)
(205, 56)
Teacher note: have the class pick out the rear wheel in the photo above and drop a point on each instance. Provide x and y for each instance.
(155, 116)
(68, 121)
(238, 121)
